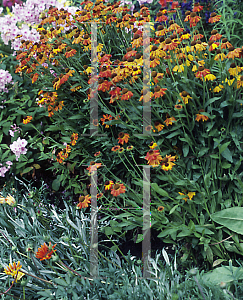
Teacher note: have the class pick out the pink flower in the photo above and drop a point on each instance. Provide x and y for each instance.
(18, 147)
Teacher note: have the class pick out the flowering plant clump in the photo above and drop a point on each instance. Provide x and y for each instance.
(168, 103)
(5, 80)
(18, 147)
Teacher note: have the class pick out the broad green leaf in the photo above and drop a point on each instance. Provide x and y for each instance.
(227, 154)
(56, 184)
(158, 190)
(232, 218)
(222, 274)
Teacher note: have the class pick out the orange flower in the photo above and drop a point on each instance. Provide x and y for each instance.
(106, 118)
(97, 154)
(115, 148)
(118, 189)
(214, 18)
(160, 208)
(27, 119)
(158, 92)
(45, 252)
(14, 270)
(60, 157)
(74, 138)
(93, 167)
(158, 126)
(153, 157)
(70, 52)
(169, 121)
(201, 116)
(83, 201)
(169, 45)
(123, 137)
(126, 94)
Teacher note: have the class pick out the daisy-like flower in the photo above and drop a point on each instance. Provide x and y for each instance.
(210, 77)
(137, 41)
(160, 208)
(70, 52)
(169, 45)
(126, 94)
(123, 138)
(214, 18)
(97, 154)
(189, 196)
(159, 92)
(118, 189)
(178, 106)
(215, 35)
(194, 19)
(60, 157)
(218, 88)
(197, 7)
(108, 185)
(152, 145)
(129, 148)
(100, 195)
(202, 72)
(185, 97)
(201, 116)
(234, 70)
(219, 55)
(74, 138)
(116, 148)
(13, 270)
(158, 126)
(167, 162)
(105, 119)
(225, 43)
(169, 121)
(153, 157)
(83, 201)
(239, 81)
(93, 167)
(45, 252)
(27, 119)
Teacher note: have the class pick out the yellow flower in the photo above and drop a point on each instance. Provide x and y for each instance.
(191, 195)
(10, 200)
(218, 88)
(13, 270)
(210, 77)
(2, 200)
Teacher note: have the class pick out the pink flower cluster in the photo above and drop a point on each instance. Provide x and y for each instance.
(18, 147)
(10, 3)
(13, 129)
(28, 13)
(4, 169)
(5, 78)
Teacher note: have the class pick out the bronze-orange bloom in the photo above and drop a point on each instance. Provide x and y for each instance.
(123, 137)
(118, 189)
(45, 252)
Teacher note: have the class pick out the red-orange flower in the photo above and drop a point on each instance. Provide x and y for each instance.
(45, 252)
(123, 137)
(83, 201)
(118, 189)
(214, 18)
(105, 119)
(201, 116)
(70, 52)
(74, 138)
(115, 148)
(153, 157)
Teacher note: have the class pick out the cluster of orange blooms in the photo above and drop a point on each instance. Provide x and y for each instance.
(62, 155)
(49, 99)
(172, 44)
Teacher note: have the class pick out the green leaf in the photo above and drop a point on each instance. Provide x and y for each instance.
(223, 147)
(227, 154)
(56, 184)
(158, 190)
(232, 218)
(203, 151)
(223, 274)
